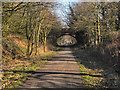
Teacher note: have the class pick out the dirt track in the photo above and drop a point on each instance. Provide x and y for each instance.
(60, 72)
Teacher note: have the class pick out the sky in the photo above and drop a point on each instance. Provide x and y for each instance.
(63, 6)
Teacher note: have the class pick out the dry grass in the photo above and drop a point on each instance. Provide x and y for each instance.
(14, 69)
(88, 66)
(98, 61)
(17, 40)
(14, 72)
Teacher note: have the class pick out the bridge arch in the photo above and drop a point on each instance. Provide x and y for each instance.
(62, 34)
(66, 39)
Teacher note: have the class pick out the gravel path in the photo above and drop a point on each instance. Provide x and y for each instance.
(60, 72)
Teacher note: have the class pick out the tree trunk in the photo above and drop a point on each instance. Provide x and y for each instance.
(119, 15)
(98, 24)
(28, 48)
(45, 42)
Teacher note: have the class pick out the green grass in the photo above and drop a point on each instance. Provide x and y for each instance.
(12, 79)
(20, 64)
(88, 80)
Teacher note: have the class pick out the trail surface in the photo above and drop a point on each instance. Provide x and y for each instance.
(60, 72)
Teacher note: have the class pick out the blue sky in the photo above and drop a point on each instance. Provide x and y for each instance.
(63, 6)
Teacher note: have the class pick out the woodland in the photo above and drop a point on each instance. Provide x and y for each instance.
(30, 32)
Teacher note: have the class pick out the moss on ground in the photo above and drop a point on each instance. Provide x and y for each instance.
(89, 79)
(22, 69)
(16, 70)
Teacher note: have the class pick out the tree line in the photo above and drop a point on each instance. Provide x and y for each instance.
(32, 20)
(100, 21)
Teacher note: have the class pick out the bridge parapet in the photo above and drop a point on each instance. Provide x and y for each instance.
(71, 34)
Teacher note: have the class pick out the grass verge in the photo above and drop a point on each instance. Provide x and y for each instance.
(23, 68)
(93, 76)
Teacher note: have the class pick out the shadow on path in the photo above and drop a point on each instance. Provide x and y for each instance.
(60, 72)
(45, 73)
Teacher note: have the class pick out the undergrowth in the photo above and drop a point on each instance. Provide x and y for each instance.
(90, 79)
(98, 61)
(22, 69)
(15, 66)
